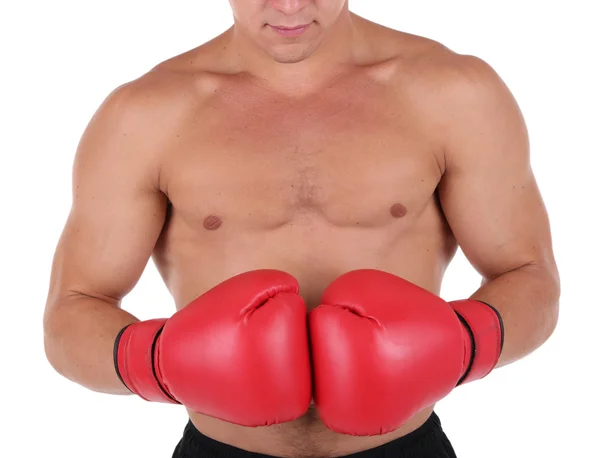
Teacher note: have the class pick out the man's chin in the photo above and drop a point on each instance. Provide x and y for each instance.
(288, 59)
(291, 56)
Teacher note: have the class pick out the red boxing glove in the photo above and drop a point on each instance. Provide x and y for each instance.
(383, 349)
(238, 353)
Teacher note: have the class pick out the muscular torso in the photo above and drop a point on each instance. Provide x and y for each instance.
(315, 184)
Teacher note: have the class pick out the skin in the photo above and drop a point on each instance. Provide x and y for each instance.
(351, 146)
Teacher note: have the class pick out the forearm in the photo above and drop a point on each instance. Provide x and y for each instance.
(527, 299)
(79, 336)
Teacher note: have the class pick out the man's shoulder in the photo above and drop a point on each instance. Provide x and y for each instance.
(150, 109)
(176, 84)
(432, 63)
(439, 80)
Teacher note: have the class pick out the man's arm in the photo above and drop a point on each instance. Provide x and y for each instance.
(116, 217)
(493, 205)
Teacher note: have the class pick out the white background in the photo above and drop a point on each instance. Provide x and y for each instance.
(58, 61)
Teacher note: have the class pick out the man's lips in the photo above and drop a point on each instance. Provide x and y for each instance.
(290, 31)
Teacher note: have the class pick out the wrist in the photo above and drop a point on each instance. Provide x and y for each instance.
(483, 337)
(134, 358)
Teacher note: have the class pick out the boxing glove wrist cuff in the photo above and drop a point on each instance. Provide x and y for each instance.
(134, 358)
(484, 337)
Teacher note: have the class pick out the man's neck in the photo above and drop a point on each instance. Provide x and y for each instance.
(336, 52)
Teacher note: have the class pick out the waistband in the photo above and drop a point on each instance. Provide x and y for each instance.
(428, 438)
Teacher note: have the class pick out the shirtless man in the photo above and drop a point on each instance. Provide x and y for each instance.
(305, 144)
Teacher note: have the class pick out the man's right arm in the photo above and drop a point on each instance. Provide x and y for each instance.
(116, 217)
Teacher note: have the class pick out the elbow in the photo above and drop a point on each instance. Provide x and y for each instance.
(551, 322)
(52, 342)
(52, 356)
(551, 305)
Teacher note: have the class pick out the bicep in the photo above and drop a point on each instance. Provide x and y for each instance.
(117, 211)
(489, 193)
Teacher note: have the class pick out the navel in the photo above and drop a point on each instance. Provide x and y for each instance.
(212, 222)
(398, 210)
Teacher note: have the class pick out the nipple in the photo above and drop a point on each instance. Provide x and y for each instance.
(212, 222)
(398, 210)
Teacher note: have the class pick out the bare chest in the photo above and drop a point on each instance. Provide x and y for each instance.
(260, 162)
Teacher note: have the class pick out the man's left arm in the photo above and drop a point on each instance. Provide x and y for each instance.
(491, 200)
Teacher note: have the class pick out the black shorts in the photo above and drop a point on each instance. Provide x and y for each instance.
(428, 441)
